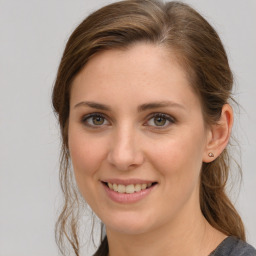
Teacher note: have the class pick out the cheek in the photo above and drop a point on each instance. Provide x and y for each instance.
(85, 151)
(86, 154)
(179, 158)
(179, 165)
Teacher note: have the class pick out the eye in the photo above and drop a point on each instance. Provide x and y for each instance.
(160, 120)
(94, 120)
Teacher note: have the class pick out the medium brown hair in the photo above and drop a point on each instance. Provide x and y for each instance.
(180, 29)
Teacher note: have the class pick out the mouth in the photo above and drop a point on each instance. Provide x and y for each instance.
(129, 188)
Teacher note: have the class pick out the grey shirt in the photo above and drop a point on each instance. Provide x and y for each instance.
(232, 246)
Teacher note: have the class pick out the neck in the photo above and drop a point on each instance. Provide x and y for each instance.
(192, 236)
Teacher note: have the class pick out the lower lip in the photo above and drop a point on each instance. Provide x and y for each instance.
(127, 198)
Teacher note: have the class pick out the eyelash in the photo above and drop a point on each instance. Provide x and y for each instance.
(167, 118)
(93, 115)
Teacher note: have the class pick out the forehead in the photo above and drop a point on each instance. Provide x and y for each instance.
(141, 71)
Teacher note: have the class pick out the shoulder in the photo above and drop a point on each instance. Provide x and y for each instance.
(232, 246)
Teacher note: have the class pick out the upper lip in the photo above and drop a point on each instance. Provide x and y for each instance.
(127, 181)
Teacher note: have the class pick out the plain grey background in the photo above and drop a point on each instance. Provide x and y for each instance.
(32, 38)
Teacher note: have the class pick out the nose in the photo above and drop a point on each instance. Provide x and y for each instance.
(125, 152)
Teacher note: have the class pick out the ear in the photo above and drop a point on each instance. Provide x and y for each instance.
(218, 135)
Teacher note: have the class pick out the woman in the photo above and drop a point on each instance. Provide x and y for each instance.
(142, 96)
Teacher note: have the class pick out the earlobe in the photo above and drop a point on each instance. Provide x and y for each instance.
(219, 134)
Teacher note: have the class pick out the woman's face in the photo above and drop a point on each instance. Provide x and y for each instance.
(137, 139)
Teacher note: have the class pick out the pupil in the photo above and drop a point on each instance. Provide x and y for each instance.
(160, 121)
(98, 120)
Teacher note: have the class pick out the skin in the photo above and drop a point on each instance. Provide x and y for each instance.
(126, 144)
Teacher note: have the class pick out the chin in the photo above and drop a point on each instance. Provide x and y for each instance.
(128, 223)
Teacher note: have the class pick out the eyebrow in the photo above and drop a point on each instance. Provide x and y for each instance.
(159, 104)
(93, 105)
(141, 108)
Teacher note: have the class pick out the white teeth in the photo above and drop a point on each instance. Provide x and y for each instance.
(129, 189)
(115, 188)
(137, 187)
(121, 188)
(143, 186)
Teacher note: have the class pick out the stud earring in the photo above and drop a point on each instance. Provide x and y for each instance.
(211, 154)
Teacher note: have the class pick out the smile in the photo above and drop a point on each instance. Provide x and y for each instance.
(130, 188)
(129, 191)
